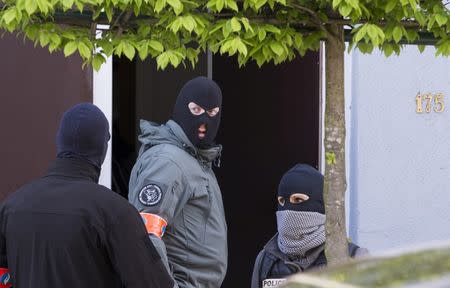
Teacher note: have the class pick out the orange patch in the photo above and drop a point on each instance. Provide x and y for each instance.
(154, 224)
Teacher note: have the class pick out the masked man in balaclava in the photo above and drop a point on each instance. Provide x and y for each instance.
(299, 244)
(173, 186)
(65, 230)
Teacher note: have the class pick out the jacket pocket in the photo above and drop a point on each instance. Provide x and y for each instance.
(196, 214)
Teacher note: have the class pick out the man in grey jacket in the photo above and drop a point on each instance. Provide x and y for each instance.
(174, 187)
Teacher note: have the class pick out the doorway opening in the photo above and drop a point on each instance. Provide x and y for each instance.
(270, 121)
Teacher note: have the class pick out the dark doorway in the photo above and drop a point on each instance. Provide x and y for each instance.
(270, 122)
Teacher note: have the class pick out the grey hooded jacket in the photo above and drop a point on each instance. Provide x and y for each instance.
(194, 246)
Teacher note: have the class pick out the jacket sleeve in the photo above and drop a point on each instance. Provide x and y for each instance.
(158, 189)
(256, 281)
(133, 255)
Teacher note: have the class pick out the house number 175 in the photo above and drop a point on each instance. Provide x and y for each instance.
(438, 103)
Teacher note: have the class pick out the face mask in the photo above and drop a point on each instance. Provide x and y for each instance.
(299, 232)
(198, 109)
(301, 189)
(84, 134)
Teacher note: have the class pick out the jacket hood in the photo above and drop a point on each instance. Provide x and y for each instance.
(153, 134)
(83, 134)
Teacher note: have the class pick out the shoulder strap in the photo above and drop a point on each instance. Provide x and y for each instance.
(352, 249)
(322, 260)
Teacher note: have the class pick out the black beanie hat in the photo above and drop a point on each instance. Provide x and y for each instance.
(84, 134)
(303, 179)
(205, 93)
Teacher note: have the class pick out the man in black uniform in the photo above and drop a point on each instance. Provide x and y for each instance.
(65, 230)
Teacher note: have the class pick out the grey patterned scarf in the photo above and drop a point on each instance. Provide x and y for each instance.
(299, 232)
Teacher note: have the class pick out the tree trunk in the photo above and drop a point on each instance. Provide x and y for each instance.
(335, 181)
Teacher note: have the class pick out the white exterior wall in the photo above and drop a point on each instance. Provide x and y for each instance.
(399, 161)
(103, 99)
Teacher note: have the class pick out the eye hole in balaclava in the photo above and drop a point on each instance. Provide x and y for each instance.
(304, 178)
(198, 109)
(295, 198)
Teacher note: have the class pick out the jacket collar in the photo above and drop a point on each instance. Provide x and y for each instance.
(171, 133)
(206, 155)
(74, 168)
(272, 248)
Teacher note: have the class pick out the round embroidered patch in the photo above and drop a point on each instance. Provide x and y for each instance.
(150, 195)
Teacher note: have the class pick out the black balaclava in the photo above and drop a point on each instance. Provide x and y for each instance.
(83, 134)
(301, 224)
(205, 93)
(304, 179)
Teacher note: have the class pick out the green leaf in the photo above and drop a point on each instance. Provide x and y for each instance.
(129, 50)
(411, 35)
(421, 48)
(226, 29)
(109, 13)
(119, 49)
(9, 15)
(441, 19)
(261, 34)
(336, 3)
(361, 32)
(70, 48)
(298, 40)
(144, 30)
(176, 24)
(330, 158)
(272, 29)
(159, 6)
(232, 5)
(156, 45)
(174, 59)
(211, 4)
(219, 5)
(390, 5)
(162, 60)
(420, 18)
(67, 4)
(226, 46)
(143, 50)
(413, 4)
(277, 48)
(246, 24)
(353, 3)
(43, 5)
(84, 50)
(260, 3)
(97, 61)
(397, 33)
(188, 23)
(80, 6)
(241, 47)
(30, 6)
(345, 9)
(365, 47)
(44, 39)
(235, 25)
(388, 50)
(55, 39)
(176, 5)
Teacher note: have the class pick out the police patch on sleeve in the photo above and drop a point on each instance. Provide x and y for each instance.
(150, 195)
